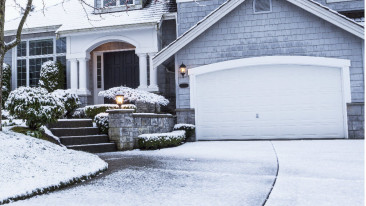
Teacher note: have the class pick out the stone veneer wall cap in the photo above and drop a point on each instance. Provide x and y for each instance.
(151, 115)
(184, 109)
(114, 111)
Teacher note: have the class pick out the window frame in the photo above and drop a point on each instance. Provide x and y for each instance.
(262, 12)
(27, 57)
(118, 4)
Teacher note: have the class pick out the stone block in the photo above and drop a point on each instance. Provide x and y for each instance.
(145, 121)
(360, 134)
(354, 110)
(154, 121)
(357, 125)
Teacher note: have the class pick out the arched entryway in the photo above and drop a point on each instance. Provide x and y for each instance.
(114, 64)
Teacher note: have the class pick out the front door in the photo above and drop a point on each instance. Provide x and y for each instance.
(121, 69)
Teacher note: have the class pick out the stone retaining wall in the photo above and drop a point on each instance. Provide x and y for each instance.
(125, 126)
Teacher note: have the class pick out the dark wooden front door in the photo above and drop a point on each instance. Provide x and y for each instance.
(121, 69)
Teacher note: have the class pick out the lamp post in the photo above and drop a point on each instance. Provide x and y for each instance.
(119, 100)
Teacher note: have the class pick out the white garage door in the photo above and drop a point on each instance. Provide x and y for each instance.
(270, 102)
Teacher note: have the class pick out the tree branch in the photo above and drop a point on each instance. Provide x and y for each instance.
(20, 27)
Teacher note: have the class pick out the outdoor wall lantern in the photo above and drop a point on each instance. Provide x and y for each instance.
(119, 100)
(182, 69)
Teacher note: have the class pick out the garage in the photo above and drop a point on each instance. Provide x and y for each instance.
(271, 98)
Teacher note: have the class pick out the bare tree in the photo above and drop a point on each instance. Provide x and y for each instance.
(6, 46)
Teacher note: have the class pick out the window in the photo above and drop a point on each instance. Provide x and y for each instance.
(99, 71)
(39, 51)
(109, 3)
(262, 6)
(41, 47)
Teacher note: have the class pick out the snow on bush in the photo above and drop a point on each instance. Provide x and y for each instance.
(92, 110)
(6, 88)
(134, 95)
(51, 76)
(34, 105)
(69, 98)
(31, 166)
(189, 128)
(102, 122)
(161, 140)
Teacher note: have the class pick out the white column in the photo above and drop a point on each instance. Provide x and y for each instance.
(73, 74)
(83, 87)
(153, 75)
(143, 71)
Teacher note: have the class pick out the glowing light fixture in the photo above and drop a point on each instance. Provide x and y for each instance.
(119, 100)
(182, 69)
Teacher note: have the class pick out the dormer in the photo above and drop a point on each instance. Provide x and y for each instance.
(107, 6)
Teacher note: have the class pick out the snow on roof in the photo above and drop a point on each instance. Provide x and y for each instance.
(72, 15)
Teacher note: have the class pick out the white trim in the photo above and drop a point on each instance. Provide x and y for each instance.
(199, 28)
(336, 19)
(342, 64)
(196, 30)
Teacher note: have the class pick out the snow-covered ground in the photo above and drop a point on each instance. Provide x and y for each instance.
(329, 172)
(28, 164)
(225, 173)
(202, 173)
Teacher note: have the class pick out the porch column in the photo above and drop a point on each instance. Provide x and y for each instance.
(143, 71)
(73, 74)
(153, 75)
(83, 87)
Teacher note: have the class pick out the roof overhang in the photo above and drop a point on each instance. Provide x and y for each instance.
(33, 30)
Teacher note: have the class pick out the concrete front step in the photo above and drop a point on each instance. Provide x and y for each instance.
(95, 148)
(80, 131)
(71, 123)
(87, 139)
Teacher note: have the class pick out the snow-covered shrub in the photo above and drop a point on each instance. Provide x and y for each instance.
(102, 122)
(79, 113)
(92, 110)
(51, 76)
(134, 95)
(161, 140)
(6, 83)
(189, 128)
(34, 105)
(69, 98)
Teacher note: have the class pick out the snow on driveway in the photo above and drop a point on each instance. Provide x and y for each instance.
(329, 172)
(200, 173)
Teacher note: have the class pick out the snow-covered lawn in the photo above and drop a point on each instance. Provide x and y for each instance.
(329, 172)
(29, 165)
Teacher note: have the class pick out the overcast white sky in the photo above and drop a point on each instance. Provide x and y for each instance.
(12, 11)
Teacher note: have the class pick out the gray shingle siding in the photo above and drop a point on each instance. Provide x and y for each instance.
(352, 5)
(288, 30)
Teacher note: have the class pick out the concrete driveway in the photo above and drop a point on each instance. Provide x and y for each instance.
(225, 173)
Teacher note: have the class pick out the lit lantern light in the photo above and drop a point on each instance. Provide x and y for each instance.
(182, 69)
(119, 100)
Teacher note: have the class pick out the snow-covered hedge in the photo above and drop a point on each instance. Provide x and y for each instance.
(161, 140)
(189, 128)
(134, 95)
(34, 105)
(69, 98)
(92, 110)
(6, 88)
(102, 122)
(51, 76)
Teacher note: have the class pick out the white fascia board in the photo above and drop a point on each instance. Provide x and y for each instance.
(170, 16)
(33, 30)
(342, 22)
(199, 28)
(78, 32)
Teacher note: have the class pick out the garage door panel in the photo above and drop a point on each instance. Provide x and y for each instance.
(270, 102)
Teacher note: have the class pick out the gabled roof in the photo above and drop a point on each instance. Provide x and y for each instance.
(213, 17)
(72, 16)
